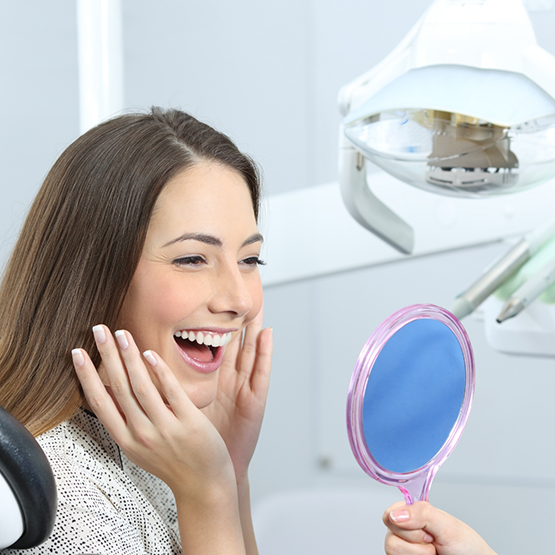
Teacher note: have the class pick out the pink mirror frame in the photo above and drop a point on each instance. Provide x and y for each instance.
(414, 485)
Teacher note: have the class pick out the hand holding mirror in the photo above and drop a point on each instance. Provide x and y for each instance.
(409, 398)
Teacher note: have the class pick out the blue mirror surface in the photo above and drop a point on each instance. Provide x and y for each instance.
(414, 395)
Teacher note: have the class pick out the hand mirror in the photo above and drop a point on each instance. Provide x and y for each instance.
(409, 398)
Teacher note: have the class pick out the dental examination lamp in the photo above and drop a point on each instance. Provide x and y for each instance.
(464, 107)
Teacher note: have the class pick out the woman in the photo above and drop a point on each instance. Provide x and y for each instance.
(421, 529)
(145, 225)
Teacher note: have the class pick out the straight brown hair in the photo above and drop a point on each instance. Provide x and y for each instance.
(79, 248)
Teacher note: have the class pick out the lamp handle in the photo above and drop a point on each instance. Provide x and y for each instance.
(365, 207)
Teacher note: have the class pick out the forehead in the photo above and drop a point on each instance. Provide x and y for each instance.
(204, 198)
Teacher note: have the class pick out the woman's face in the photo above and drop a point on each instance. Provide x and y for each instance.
(197, 283)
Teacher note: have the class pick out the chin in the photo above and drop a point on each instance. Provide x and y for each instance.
(202, 395)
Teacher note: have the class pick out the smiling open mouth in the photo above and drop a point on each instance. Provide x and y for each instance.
(202, 347)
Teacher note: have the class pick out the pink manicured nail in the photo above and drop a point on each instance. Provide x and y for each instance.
(99, 334)
(78, 358)
(428, 538)
(399, 516)
(149, 355)
(122, 339)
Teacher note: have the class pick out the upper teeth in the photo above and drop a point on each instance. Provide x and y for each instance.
(205, 338)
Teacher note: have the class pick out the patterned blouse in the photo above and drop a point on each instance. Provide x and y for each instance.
(106, 504)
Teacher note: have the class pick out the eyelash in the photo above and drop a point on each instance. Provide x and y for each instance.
(198, 260)
(189, 261)
(253, 261)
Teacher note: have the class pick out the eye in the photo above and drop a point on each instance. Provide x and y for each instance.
(191, 261)
(253, 261)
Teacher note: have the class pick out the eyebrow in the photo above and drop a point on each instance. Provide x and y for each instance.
(211, 240)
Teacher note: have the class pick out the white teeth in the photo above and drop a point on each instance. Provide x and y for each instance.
(205, 338)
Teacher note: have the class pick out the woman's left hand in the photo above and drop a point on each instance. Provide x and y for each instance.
(243, 382)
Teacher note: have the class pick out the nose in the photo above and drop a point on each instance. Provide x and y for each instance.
(231, 292)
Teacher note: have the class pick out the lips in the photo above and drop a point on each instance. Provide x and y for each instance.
(202, 350)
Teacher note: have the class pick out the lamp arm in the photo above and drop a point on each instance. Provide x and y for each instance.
(365, 207)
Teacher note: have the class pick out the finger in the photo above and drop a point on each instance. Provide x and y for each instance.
(395, 545)
(179, 402)
(98, 398)
(145, 392)
(248, 352)
(234, 350)
(451, 534)
(260, 379)
(231, 354)
(416, 523)
(116, 374)
(385, 517)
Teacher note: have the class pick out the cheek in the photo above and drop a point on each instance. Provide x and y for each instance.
(169, 304)
(165, 306)
(163, 301)
(257, 299)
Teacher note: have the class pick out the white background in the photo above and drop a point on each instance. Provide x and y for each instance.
(268, 73)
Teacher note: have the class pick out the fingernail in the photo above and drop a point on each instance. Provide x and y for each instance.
(99, 334)
(399, 516)
(122, 339)
(428, 538)
(78, 358)
(149, 355)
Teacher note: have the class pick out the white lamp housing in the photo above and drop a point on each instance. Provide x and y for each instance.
(464, 106)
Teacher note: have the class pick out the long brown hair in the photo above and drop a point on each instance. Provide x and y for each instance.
(80, 246)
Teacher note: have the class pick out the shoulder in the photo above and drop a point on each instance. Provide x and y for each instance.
(83, 457)
(81, 437)
(102, 508)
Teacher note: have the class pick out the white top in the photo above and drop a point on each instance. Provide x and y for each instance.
(106, 504)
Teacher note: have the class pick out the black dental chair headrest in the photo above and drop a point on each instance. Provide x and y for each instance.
(27, 471)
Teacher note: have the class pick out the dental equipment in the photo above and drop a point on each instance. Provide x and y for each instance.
(436, 112)
(528, 292)
(28, 495)
(501, 270)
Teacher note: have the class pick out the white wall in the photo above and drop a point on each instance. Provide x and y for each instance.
(268, 74)
(38, 100)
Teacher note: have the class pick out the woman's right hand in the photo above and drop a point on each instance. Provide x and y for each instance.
(164, 433)
(421, 529)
